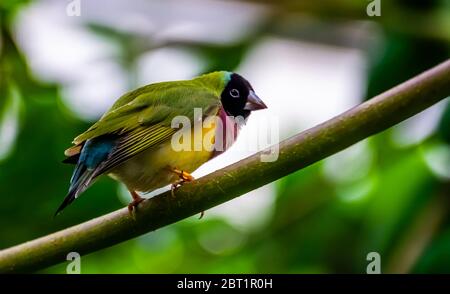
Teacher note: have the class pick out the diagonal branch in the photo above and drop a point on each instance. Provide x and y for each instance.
(297, 152)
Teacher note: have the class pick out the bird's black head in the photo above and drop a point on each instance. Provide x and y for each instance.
(238, 98)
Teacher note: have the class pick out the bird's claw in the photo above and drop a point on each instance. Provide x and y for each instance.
(134, 204)
(184, 177)
(175, 186)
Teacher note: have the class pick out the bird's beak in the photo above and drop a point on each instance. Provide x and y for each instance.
(253, 102)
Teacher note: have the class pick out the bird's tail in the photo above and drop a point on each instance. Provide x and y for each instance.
(81, 179)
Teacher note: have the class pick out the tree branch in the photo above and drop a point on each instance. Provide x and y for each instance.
(220, 186)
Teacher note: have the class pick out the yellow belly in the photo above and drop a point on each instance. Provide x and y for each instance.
(152, 169)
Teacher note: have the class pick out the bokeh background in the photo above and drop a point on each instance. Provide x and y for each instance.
(308, 60)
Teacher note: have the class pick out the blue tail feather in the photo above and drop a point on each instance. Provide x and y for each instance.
(94, 152)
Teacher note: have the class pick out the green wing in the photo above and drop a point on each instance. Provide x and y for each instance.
(153, 104)
(134, 142)
(142, 118)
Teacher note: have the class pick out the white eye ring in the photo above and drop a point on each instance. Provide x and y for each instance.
(234, 93)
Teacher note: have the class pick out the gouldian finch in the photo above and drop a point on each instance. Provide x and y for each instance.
(132, 141)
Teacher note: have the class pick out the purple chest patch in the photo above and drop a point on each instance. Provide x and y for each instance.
(227, 132)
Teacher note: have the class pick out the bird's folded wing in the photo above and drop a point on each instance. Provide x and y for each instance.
(134, 142)
(148, 109)
(127, 118)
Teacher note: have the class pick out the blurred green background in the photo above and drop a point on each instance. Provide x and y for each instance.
(308, 60)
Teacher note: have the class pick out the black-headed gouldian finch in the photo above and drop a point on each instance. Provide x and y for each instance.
(132, 141)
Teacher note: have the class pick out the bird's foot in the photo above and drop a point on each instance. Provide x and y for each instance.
(175, 186)
(134, 204)
(184, 177)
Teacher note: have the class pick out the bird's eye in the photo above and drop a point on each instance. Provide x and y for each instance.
(234, 93)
